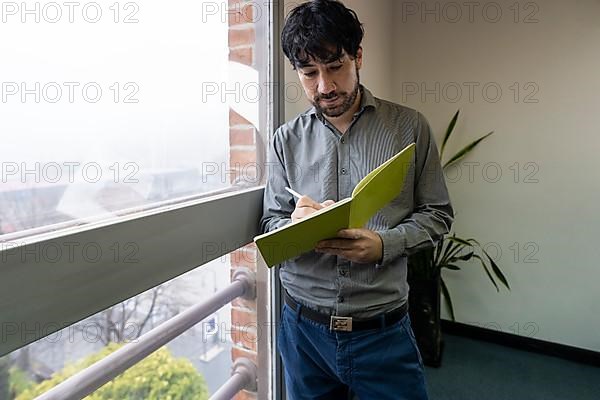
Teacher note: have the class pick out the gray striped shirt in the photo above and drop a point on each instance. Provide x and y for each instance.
(312, 157)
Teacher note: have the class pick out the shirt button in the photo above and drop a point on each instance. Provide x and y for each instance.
(343, 272)
(340, 299)
(344, 171)
(343, 140)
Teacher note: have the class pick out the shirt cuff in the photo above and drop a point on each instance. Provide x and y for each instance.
(393, 245)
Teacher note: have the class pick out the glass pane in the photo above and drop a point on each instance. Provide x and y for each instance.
(103, 111)
(196, 363)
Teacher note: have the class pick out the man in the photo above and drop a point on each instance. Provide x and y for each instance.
(344, 322)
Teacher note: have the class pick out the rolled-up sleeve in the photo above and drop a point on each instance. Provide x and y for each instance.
(432, 214)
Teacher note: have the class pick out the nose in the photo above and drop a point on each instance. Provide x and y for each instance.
(326, 84)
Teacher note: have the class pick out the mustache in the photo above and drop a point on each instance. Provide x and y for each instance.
(328, 96)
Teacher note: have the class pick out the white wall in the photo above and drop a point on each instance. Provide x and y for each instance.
(553, 141)
(559, 135)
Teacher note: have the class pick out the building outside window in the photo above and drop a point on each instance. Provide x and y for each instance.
(114, 111)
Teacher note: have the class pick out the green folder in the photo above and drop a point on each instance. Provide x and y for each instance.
(371, 194)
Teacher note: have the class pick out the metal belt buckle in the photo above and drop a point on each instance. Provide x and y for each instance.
(340, 324)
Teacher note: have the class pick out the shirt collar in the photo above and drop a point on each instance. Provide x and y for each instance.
(366, 100)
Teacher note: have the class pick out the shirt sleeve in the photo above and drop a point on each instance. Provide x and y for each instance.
(278, 203)
(432, 214)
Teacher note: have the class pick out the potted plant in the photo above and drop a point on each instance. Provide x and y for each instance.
(425, 279)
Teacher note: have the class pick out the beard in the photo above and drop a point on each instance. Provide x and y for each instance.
(345, 101)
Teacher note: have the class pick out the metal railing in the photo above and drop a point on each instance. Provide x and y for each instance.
(244, 372)
(243, 377)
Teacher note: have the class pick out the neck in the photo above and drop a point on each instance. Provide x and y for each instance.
(342, 123)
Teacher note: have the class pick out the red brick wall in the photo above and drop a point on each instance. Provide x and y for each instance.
(242, 156)
(242, 34)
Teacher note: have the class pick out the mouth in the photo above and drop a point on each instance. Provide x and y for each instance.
(330, 101)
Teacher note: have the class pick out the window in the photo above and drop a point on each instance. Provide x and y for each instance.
(112, 108)
(119, 124)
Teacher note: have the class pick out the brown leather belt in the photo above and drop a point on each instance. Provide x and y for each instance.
(348, 324)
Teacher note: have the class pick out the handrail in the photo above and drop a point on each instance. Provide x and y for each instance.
(85, 382)
(242, 377)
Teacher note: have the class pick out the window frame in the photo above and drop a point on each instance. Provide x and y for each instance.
(41, 294)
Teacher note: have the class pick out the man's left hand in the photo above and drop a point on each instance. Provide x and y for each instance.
(357, 245)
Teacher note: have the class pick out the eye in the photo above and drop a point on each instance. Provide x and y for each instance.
(309, 73)
(336, 67)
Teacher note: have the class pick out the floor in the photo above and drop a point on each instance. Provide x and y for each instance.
(475, 370)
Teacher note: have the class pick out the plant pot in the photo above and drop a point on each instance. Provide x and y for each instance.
(424, 306)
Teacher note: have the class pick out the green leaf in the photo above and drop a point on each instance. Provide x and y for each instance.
(443, 252)
(497, 271)
(451, 266)
(438, 251)
(487, 271)
(449, 132)
(144, 380)
(466, 257)
(452, 249)
(475, 242)
(465, 242)
(495, 267)
(466, 150)
(447, 298)
(457, 250)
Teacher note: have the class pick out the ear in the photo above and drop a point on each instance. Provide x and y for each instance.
(358, 59)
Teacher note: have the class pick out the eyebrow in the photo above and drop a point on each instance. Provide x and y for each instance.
(330, 61)
(306, 65)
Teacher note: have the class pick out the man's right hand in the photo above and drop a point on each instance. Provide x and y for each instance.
(306, 206)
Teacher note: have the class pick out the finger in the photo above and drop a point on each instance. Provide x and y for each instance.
(335, 244)
(303, 212)
(306, 201)
(327, 203)
(351, 233)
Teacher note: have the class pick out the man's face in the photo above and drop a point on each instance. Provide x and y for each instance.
(332, 87)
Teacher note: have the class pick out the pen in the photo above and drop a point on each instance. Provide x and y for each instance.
(293, 192)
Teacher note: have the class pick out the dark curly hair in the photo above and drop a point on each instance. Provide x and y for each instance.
(322, 30)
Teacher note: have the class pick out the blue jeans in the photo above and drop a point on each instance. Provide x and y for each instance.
(377, 364)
